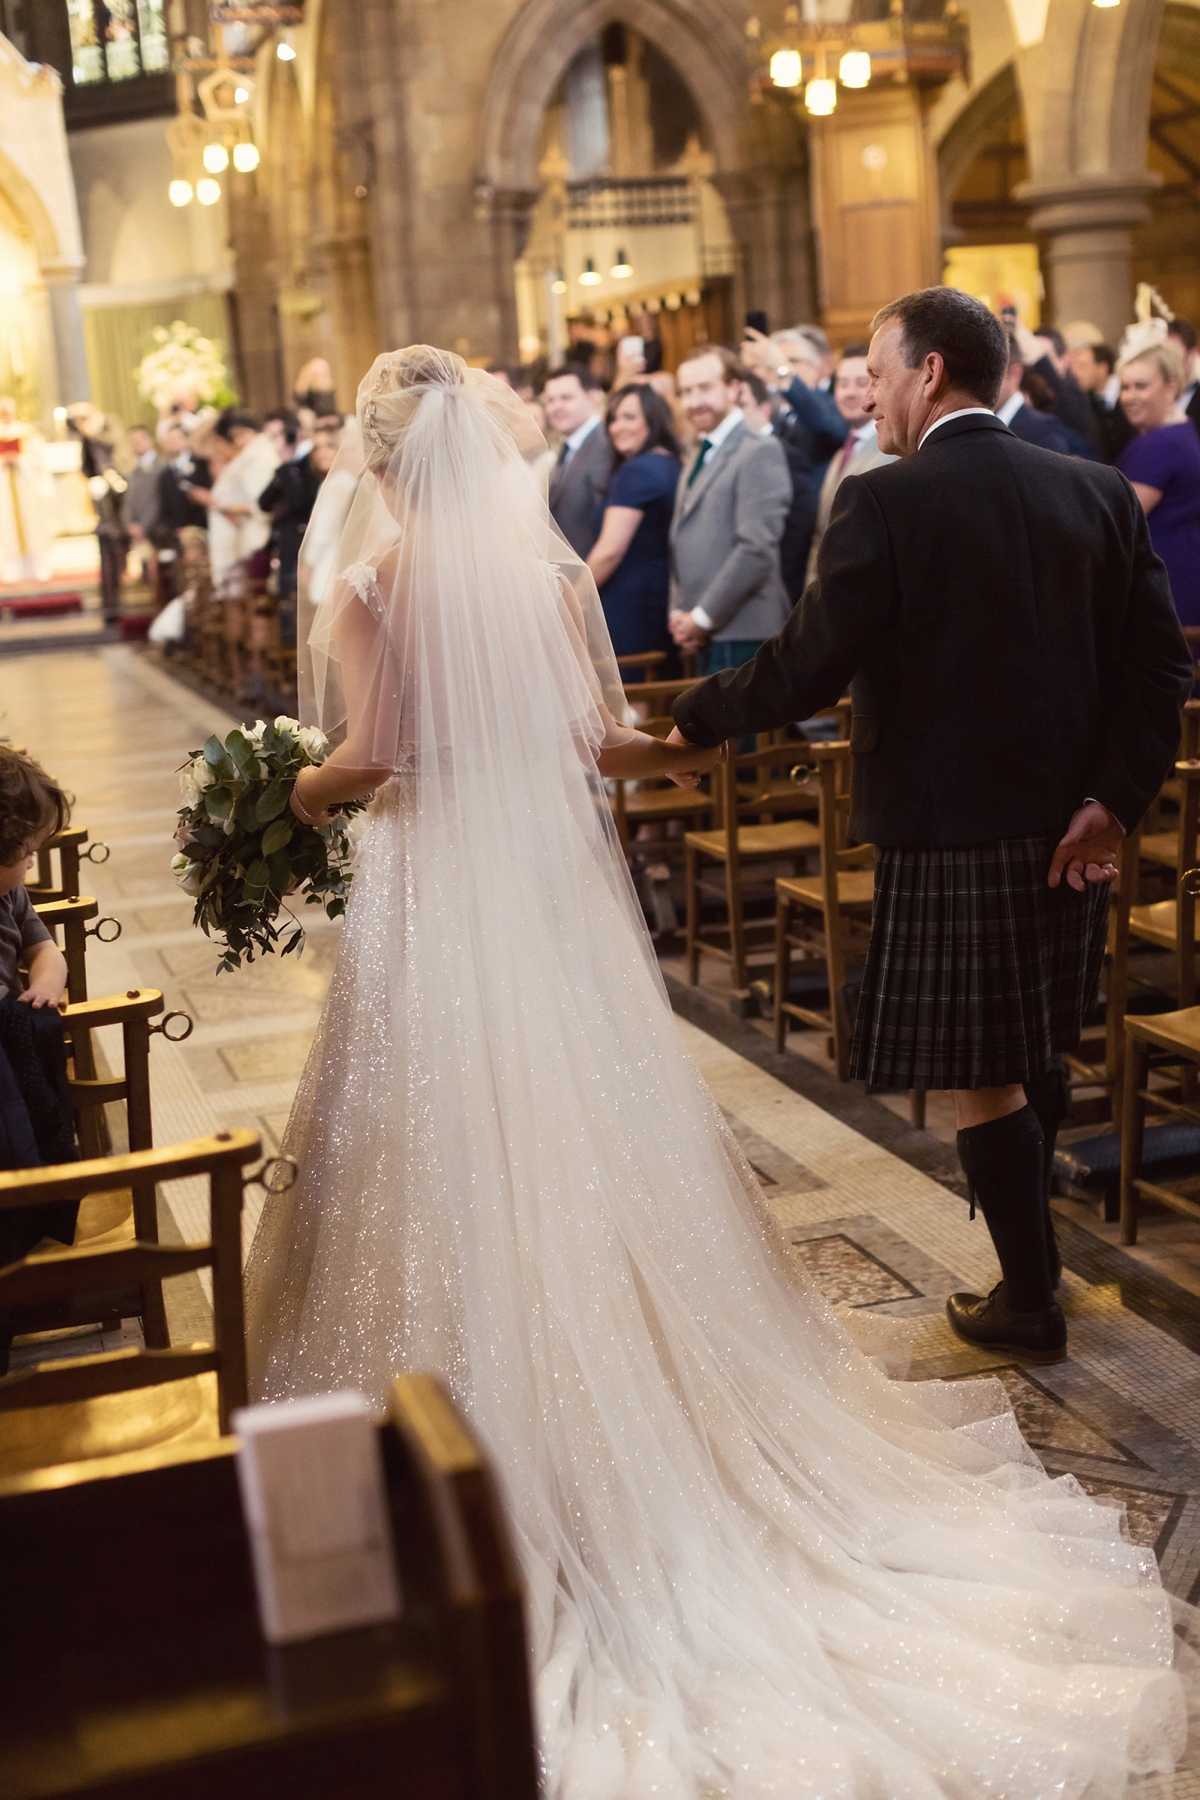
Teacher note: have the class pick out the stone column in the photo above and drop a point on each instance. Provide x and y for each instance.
(1088, 221)
(61, 275)
(769, 217)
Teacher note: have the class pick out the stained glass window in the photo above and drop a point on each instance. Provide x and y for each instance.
(117, 40)
(87, 51)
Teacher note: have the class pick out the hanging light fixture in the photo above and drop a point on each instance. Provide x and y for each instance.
(558, 285)
(216, 158)
(786, 68)
(208, 191)
(179, 193)
(284, 51)
(245, 157)
(622, 269)
(241, 95)
(589, 277)
(1106, 2)
(854, 70)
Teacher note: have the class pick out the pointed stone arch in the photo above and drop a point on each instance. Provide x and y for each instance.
(697, 36)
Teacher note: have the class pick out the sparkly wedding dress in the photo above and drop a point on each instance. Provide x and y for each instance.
(754, 1565)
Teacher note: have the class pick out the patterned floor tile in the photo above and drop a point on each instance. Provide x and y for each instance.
(846, 1274)
(1047, 1423)
(1150, 1516)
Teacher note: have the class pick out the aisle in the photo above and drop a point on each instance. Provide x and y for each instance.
(1123, 1413)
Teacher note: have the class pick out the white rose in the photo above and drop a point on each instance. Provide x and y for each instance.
(314, 742)
(283, 723)
(255, 732)
(187, 873)
(194, 779)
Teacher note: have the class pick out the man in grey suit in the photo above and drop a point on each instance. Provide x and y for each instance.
(861, 450)
(727, 592)
(574, 403)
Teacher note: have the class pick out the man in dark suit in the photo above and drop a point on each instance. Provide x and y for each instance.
(1093, 366)
(573, 400)
(1018, 679)
(1023, 420)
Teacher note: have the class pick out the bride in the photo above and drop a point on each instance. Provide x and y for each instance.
(754, 1565)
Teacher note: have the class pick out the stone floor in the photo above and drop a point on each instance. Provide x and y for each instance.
(873, 1208)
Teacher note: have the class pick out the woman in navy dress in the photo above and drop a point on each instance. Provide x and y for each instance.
(1163, 463)
(631, 557)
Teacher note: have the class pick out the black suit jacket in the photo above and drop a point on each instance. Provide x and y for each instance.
(1193, 411)
(1009, 634)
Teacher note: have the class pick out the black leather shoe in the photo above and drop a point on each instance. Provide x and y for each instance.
(990, 1324)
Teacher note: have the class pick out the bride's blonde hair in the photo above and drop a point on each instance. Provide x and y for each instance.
(394, 388)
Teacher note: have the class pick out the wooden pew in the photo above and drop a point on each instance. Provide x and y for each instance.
(132, 1667)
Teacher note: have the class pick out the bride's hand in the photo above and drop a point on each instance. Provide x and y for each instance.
(310, 811)
(698, 761)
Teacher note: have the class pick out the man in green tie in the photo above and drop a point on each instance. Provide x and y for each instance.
(727, 591)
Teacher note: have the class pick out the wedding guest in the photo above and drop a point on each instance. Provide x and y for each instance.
(727, 592)
(573, 400)
(1045, 357)
(1023, 420)
(1018, 676)
(314, 389)
(631, 557)
(790, 363)
(289, 498)
(1163, 463)
(1094, 368)
(141, 499)
(287, 435)
(860, 452)
(107, 462)
(237, 525)
(755, 401)
(1183, 335)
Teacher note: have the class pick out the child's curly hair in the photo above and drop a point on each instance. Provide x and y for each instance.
(31, 803)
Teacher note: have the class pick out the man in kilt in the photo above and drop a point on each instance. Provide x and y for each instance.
(1018, 676)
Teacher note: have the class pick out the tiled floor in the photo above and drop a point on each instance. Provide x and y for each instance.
(873, 1208)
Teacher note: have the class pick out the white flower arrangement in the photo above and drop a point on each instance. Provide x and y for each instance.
(184, 362)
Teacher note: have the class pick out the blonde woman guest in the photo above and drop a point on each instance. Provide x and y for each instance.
(1163, 463)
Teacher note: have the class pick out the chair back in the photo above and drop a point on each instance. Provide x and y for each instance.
(43, 1279)
(71, 847)
(647, 662)
(72, 917)
(834, 763)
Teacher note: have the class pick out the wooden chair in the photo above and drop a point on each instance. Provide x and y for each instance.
(1152, 1041)
(70, 847)
(1168, 925)
(1160, 840)
(70, 1387)
(738, 846)
(646, 663)
(132, 1663)
(641, 803)
(825, 912)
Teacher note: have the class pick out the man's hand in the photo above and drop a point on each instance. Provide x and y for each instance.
(762, 356)
(687, 634)
(689, 778)
(1088, 850)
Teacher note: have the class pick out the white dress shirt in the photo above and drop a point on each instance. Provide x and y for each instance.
(1012, 406)
(715, 438)
(962, 413)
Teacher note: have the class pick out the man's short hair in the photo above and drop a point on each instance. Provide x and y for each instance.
(971, 341)
(732, 367)
(1103, 353)
(234, 418)
(289, 420)
(849, 350)
(587, 379)
(815, 336)
(1185, 331)
(804, 339)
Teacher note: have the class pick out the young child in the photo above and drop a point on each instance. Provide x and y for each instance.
(36, 1118)
(32, 808)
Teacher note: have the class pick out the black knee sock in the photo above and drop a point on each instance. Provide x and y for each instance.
(1004, 1162)
(1048, 1096)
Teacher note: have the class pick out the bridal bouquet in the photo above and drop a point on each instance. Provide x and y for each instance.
(241, 849)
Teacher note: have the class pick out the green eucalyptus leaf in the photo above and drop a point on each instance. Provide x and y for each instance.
(246, 813)
(272, 801)
(276, 835)
(257, 875)
(218, 802)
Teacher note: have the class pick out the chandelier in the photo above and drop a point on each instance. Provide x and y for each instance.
(204, 143)
(816, 57)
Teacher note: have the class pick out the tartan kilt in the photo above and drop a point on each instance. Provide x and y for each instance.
(977, 973)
